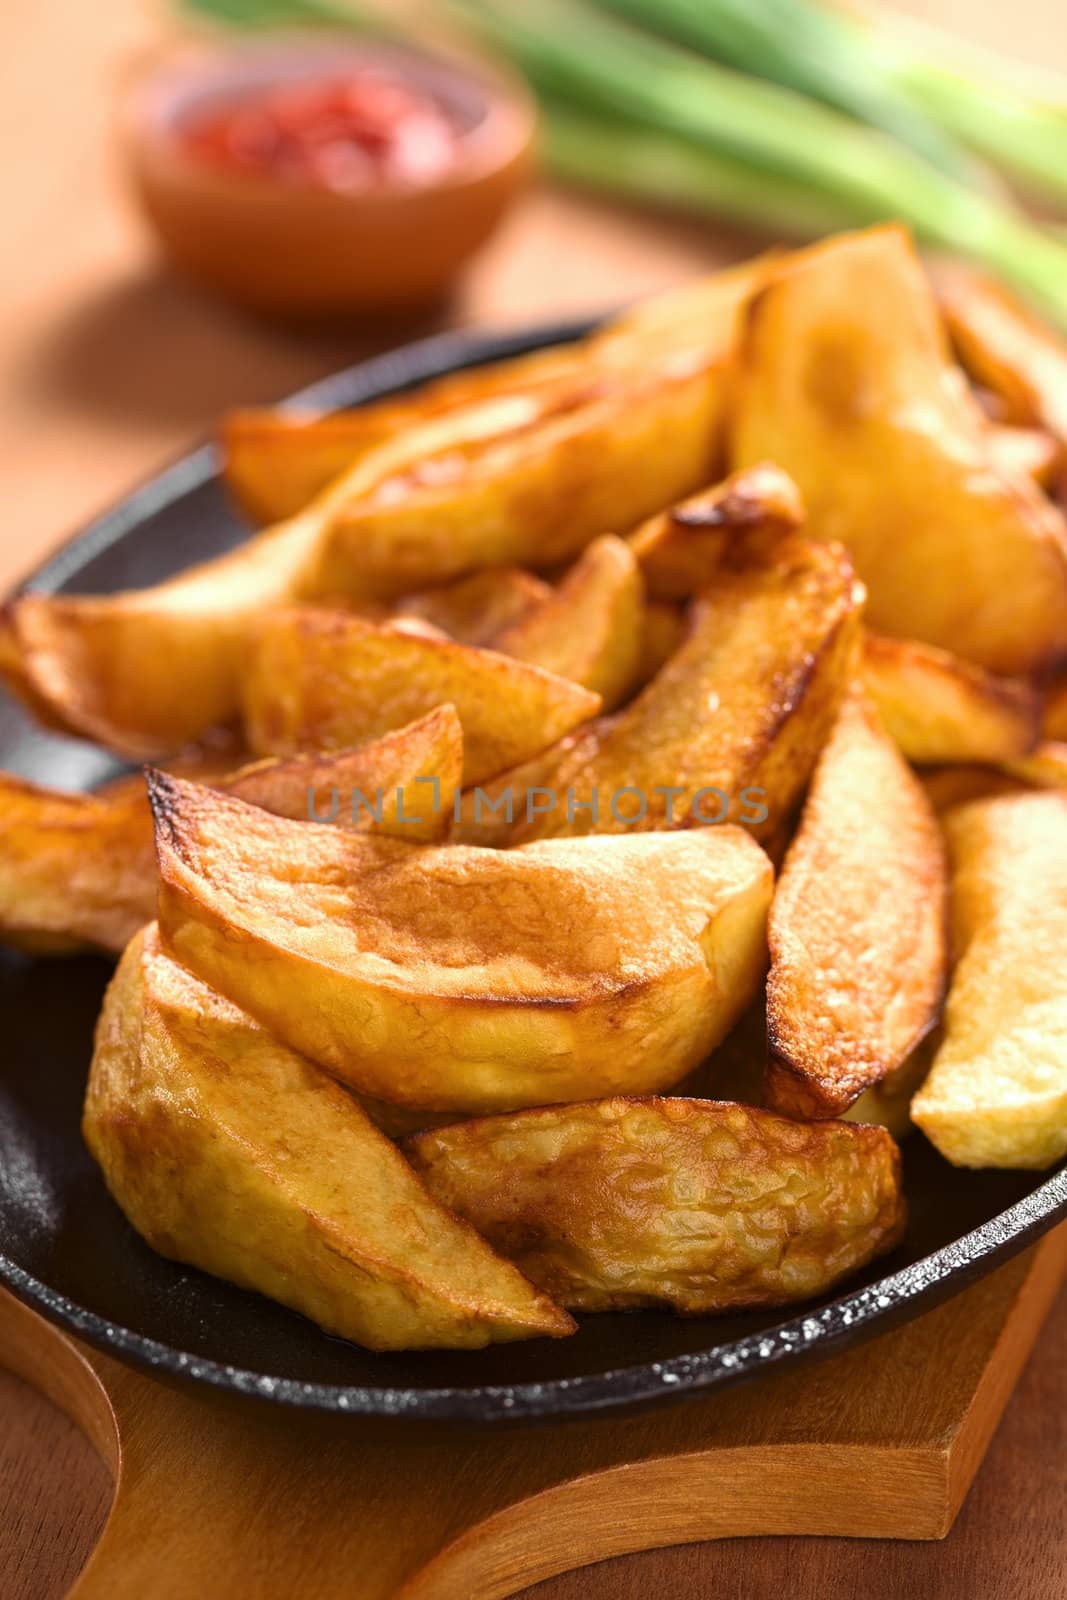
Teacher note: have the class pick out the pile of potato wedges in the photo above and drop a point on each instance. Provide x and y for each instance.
(613, 796)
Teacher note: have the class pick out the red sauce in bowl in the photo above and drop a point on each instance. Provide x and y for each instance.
(346, 133)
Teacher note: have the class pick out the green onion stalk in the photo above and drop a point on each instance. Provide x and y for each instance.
(816, 50)
(934, 92)
(585, 58)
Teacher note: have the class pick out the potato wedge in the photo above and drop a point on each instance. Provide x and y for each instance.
(699, 1205)
(465, 979)
(227, 1151)
(275, 462)
(858, 926)
(535, 496)
(680, 550)
(996, 1095)
(589, 629)
(473, 609)
(731, 726)
(80, 869)
(318, 680)
(940, 708)
(1005, 348)
(103, 667)
(846, 384)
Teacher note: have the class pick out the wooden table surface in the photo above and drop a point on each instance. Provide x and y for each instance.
(109, 366)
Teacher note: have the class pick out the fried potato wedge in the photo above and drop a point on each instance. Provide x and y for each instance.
(858, 926)
(472, 610)
(465, 979)
(589, 629)
(891, 456)
(80, 869)
(996, 1095)
(699, 1205)
(229, 1152)
(731, 726)
(679, 550)
(942, 709)
(1005, 348)
(275, 462)
(103, 667)
(403, 785)
(319, 680)
(535, 496)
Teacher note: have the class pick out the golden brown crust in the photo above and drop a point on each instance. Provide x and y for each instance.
(680, 550)
(891, 456)
(858, 926)
(459, 978)
(740, 710)
(942, 709)
(996, 1095)
(588, 630)
(694, 1204)
(230, 1152)
(321, 680)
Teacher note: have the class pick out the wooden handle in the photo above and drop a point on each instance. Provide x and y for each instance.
(219, 1496)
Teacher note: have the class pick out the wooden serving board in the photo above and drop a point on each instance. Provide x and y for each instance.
(218, 1497)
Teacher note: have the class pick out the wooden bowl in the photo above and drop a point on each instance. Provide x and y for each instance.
(278, 246)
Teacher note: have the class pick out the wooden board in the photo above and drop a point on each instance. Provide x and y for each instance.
(217, 1497)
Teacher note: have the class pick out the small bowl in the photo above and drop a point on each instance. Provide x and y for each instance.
(279, 246)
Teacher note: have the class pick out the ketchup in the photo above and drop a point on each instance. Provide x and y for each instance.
(347, 133)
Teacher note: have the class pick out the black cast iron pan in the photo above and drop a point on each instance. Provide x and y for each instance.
(66, 1249)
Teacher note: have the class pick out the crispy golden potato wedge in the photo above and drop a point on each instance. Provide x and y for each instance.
(891, 456)
(731, 726)
(275, 462)
(535, 496)
(473, 609)
(403, 785)
(1026, 452)
(589, 629)
(103, 666)
(858, 926)
(319, 680)
(464, 979)
(942, 709)
(699, 1205)
(679, 550)
(228, 1151)
(75, 869)
(1005, 348)
(80, 869)
(996, 1095)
